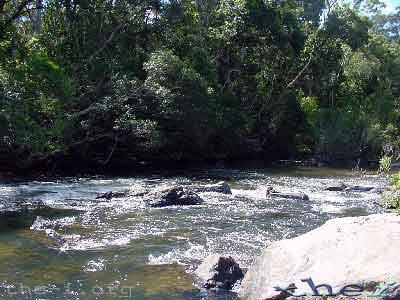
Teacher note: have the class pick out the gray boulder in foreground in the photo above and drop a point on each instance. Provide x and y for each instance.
(342, 251)
(219, 272)
(173, 196)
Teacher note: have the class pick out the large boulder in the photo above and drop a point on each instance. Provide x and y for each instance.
(173, 196)
(219, 272)
(342, 251)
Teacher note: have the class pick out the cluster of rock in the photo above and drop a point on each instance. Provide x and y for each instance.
(180, 195)
(341, 187)
(189, 194)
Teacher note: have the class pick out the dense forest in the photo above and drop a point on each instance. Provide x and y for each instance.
(117, 82)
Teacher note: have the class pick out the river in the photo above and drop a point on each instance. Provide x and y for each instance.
(120, 249)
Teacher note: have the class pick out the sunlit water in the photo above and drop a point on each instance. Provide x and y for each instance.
(120, 249)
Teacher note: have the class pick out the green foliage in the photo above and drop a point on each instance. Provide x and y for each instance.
(385, 164)
(199, 80)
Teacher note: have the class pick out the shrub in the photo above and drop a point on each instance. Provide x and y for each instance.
(385, 164)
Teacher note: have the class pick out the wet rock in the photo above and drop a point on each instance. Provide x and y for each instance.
(352, 188)
(173, 196)
(220, 187)
(368, 244)
(272, 193)
(219, 272)
(336, 187)
(111, 194)
(358, 188)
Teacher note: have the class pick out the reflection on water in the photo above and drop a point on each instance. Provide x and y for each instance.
(116, 249)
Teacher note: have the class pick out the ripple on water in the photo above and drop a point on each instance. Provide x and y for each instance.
(121, 239)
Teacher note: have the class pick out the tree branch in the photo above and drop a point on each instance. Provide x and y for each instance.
(108, 41)
(17, 13)
(300, 73)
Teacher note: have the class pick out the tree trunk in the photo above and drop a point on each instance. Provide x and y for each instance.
(37, 19)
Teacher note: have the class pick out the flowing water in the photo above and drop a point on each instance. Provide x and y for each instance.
(120, 249)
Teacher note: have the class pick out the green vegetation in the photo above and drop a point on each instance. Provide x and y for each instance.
(392, 197)
(102, 82)
(385, 164)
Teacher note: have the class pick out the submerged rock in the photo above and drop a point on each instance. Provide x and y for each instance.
(16, 219)
(220, 187)
(271, 193)
(342, 251)
(219, 272)
(351, 188)
(173, 196)
(22, 215)
(336, 187)
(358, 188)
(111, 194)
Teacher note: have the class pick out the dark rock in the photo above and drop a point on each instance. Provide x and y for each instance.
(352, 188)
(271, 193)
(173, 196)
(336, 188)
(111, 194)
(358, 188)
(220, 272)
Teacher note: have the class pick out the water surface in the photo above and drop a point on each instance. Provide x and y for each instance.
(120, 249)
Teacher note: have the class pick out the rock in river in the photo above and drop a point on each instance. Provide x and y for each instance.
(358, 188)
(271, 193)
(342, 251)
(336, 187)
(220, 187)
(173, 196)
(350, 188)
(219, 272)
(109, 195)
